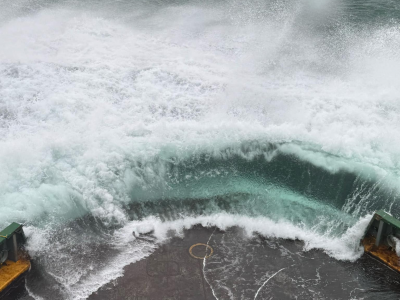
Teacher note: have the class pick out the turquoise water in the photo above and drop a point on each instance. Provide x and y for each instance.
(116, 115)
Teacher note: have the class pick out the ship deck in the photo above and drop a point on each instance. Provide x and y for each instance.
(383, 253)
(11, 271)
(246, 268)
(237, 266)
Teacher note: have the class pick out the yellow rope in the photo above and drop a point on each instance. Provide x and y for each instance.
(3, 236)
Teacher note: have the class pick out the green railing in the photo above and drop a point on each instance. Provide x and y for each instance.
(11, 239)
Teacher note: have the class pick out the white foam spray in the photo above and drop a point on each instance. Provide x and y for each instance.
(89, 101)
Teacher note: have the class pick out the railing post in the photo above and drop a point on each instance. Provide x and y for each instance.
(13, 248)
(379, 235)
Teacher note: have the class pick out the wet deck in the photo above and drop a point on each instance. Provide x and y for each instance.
(240, 267)
(11, 273)
(247, 268)
(383, 253)
(171, 272)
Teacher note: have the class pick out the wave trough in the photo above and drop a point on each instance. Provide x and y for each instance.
(280, 117)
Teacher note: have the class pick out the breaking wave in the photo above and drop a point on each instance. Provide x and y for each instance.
(280, 117)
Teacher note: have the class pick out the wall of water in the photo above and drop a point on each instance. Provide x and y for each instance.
(251, 112)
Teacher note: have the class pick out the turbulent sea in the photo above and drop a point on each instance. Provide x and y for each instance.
(279, 117)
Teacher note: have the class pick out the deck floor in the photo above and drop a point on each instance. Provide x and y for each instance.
(171, 272)
(240, 267)
(10, 271)
(383, 253)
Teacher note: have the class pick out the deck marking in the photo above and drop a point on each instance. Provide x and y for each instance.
(266, 283)
(204, 266)
(201, 244)
(202, 280)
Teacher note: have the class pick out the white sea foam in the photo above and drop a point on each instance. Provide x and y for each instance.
(82, 97)
(344, 247)
(77, 278)
(92, 105)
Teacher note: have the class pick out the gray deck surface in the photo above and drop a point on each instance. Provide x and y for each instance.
(169, 273)
(240, 267)
(243, 267)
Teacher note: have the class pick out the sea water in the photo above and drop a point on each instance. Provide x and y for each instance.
(280, 117)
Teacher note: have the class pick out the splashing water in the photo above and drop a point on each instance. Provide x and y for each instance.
(226, 113)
